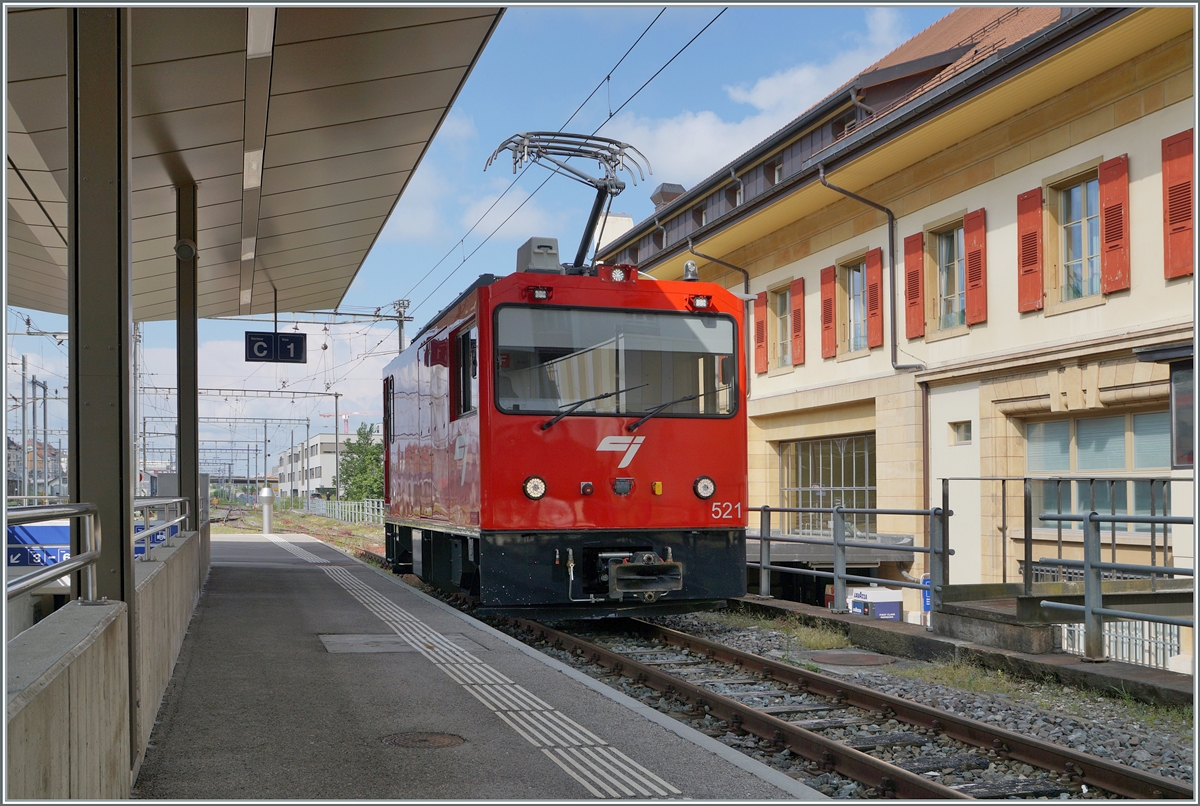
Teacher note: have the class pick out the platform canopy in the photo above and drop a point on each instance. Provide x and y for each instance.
(300, 126)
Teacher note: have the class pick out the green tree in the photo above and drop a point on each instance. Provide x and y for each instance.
(361, 468)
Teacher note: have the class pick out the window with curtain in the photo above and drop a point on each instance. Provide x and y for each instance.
(1121, 454)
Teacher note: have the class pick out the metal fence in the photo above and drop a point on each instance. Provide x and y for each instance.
(1143, 643)
(1093, 567)
(157, 525)
(938, 551)
(370, 510)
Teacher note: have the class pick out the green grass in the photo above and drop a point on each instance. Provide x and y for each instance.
(799, 635)
(963, 675)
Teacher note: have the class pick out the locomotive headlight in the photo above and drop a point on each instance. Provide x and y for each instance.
(535, 488)
(618, 275)
(704, 487)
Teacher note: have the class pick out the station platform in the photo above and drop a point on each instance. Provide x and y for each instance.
(307, 674)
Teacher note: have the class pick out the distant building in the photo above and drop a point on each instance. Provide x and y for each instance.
(308, 468)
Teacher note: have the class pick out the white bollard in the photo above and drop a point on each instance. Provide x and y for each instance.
(267, 496)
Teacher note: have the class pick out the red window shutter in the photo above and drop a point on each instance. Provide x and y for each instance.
(797, 322)
(875, 298)
(760, 333)
(1179, 204)
(828, 313)
(914, 286)
(975, 244)
(1030, 288)
(1114, 224)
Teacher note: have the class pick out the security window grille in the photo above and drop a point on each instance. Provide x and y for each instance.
(856, 290)
(1116, 450)
(781, 305)
(952, 279)
(1080, 223)
(826, 473)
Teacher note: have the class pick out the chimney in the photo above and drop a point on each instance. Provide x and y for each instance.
(666, 193)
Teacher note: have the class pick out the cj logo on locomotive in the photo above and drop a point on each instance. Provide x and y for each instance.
(628, 444)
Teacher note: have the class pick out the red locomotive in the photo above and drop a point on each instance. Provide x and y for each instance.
(573, 444)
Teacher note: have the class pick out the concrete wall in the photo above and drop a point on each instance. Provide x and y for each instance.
(68, 706)
(167, 590)
(956, 404)
(68, 681)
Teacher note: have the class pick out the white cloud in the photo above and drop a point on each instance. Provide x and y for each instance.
(691, 145)
(457, 126)
(530, 219)
(418, 215)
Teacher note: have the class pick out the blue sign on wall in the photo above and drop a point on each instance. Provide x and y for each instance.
(38, 544)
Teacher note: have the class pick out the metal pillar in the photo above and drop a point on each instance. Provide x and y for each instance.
(45, 439)
(937, 559)
(33, 384)
(265, 454)
(1093, 622)
(187, 347)
(337, 451)
(307, 491)
(764, 553)
(24, 488)
(839, 561)
(1027, 574)
(100, 302)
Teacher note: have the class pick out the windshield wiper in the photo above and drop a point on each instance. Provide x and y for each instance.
(578, 403)
(662, 406)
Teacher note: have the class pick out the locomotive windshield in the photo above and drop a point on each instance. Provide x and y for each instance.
(549, 359)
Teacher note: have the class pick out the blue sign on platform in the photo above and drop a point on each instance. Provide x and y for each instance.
(925, 593)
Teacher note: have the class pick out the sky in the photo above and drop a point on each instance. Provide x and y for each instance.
(750, 72)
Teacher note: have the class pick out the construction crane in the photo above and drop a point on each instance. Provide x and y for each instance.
(345, 415)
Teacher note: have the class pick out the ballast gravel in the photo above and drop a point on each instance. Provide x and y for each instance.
(1085, 721)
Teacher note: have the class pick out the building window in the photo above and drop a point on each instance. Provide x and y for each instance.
(951, 278)
(733, 195)
(781, 313)
(824, 473)
(1080, 240)
(700, 216)
(778, 173)
(1183, 424)
(856, 308)
(1120, 454)
(960, 433)
(327, 447)
(317, 472)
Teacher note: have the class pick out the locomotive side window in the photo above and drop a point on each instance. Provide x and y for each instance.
(466, 371)
(619, 362)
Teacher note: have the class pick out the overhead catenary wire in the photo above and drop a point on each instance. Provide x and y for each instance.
(547, 179)
(461, 242)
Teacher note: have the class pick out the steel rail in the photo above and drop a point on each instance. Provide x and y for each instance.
(890, 780)
(1084, 768)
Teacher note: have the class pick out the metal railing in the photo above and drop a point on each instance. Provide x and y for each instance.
(938, 551)
(370, 510)
(1158, 500)
(149, 508)
(20, 516)
(36, 500)
(1093, 567)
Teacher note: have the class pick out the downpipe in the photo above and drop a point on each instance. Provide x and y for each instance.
(924, 385)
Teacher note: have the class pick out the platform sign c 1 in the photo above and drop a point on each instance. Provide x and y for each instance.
(925, 592)
(292, 348)
(277, 348)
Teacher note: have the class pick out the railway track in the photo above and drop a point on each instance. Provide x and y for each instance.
(810, 714)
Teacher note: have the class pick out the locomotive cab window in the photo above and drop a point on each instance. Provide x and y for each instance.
(614, 362)
(466, 371)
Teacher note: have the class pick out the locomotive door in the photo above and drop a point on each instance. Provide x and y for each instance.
(425, 401)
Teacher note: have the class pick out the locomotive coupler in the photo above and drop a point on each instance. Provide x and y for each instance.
(645, 575)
